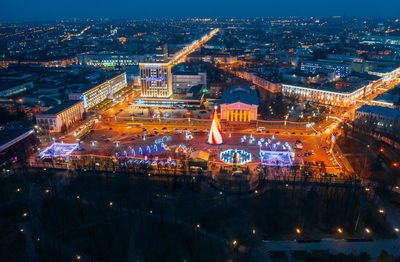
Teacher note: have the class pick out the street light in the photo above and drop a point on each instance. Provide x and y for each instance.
(339, 230)
(298, 231)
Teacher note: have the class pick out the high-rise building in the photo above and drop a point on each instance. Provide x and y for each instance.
(162, 53)
(156, 79)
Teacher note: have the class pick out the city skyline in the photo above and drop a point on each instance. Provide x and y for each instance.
(45, 10)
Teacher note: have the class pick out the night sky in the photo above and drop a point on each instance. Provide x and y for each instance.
(39, 10)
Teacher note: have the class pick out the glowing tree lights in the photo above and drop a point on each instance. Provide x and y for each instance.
(215, 134)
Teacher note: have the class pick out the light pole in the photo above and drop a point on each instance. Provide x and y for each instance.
(286, 118)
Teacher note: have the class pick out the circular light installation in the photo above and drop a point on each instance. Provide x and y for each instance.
(235, 156)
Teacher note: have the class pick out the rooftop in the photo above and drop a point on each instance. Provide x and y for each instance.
(380, 110)
(59, 108)
(240, 93)
(10, 136)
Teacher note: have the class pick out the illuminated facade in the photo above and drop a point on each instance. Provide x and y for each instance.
(341, 69)
(239, 104)
(109, 59)
(13, 86)
(334, 98)
(156, 79)
(63, 115)
(99, 93)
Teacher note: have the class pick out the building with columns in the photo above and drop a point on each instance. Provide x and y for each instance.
(239, 104)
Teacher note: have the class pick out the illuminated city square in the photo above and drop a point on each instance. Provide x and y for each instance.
(211, 131)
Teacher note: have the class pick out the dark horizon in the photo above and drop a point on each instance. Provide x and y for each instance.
(46, 10)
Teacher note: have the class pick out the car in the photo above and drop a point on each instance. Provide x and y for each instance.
(163, 128)
(133, 138)
(286, 133)
(185, 128)
(151, 135)
(155, 128)
(293, 133)
(267, 131)
(110, 128)
(277, 132)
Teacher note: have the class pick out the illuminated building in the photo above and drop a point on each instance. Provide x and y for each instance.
(335, 97)
(11, 85)
(384, 119)
(215, 134)
(109, 59)
(156, 79)
(99, 93)
(262, 82)
(162, 53)
(61, 116)
(239, 104)
(216, 58)
(378, 39)
(324, 66)
(183, 81)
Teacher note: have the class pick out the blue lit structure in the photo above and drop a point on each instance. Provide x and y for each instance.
(235, 156)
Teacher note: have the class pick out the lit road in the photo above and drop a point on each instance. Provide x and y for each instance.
(181, 55)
